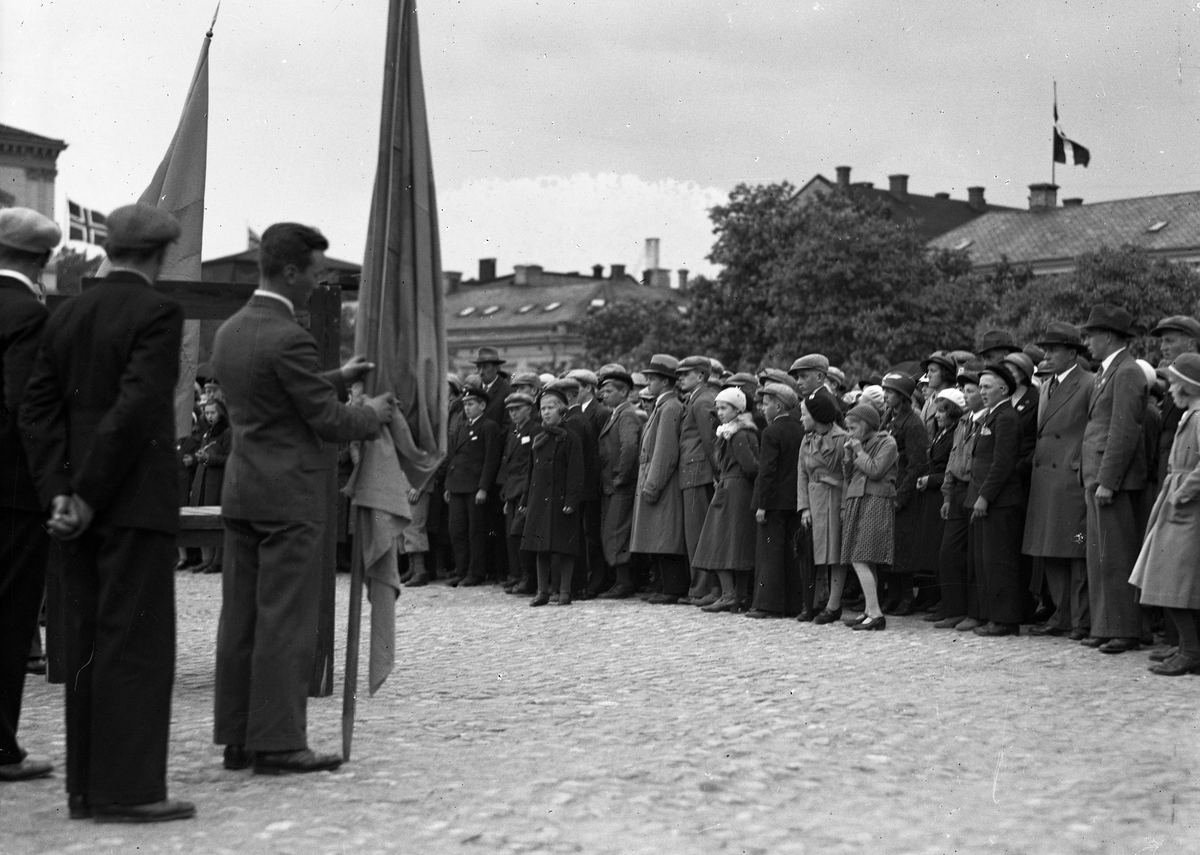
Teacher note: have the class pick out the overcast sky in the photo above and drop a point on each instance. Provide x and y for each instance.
(566, 133)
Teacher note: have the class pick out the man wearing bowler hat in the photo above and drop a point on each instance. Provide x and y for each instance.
(658, 504)
(1176, 334)
(697, 458)
(488, 361)
(26, 240)
(1113, 469)
(1056, 517)
(99, 425)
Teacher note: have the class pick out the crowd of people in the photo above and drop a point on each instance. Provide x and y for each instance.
(1051, 484)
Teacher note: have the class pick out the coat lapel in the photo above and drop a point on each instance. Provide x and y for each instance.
(1065, 391)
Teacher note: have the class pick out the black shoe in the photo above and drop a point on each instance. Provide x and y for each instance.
(563, 600)
(855, 621)
(455, 581)
(1176, 666)
(1078, 634)
(759, 614)
(540, 600)
(237, 757)
(78, 807)
(934, 615)
(904, 608)
(617, 593)
(163, 811)
(1164, 655)
(1119, 645)
(1043, 629)
(417, 581)
(996, 630)
(470, 582)
(294, 762)
(828, 616)
(806, 616)
(662, 600)
(25, 770)
(870, 624)
(1093, 641)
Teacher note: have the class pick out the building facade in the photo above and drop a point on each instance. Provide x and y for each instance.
(28, 168)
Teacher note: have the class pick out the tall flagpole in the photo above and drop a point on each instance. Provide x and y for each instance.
(1053, 131)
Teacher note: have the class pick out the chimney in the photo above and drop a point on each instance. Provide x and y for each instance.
(975, 198)
(487, 269)
(1043, 197)
(659, 278)
(1073, 202)
(843, 177)
(451, 280)
(597, 271)
(527, 274)
(683, 278)
(898, 186)
(618, 271)
(652, 253)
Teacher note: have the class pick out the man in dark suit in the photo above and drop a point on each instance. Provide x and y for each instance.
(26, 240)
(474, 455)
(514, 481)
(495, 383)
(591, 571)
(1056, 517)
(995, 501)
(284, 414)
(1176, 334)
(620, 438)
(99, 427)
(697, 460)
(1113, 469)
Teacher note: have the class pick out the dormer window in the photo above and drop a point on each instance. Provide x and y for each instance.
(1157, 227)
(491, 310)
(550, 307)
(469, 310)
(527, 308)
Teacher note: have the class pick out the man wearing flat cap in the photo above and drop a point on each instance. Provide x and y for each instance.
(513, 478)
(285, 415)
(1176, 335)
(1056, 516)
(697, 459)
(474, 454)
(26, 240)
(619, 441)
(99, 425)
(1113, 469)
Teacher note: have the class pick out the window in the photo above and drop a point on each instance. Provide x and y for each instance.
(1158, 227)
(598, 303)
(469, 310)
(528, 307)
(963, 244)
(550, 307)
(491, 310)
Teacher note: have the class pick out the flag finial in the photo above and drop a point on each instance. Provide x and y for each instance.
(216, 12)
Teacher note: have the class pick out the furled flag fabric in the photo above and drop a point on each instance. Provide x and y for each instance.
(86, 225)
(1079, 155)
(400, 326)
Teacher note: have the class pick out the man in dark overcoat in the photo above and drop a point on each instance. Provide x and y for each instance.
(474, 461)
(1113, 469)
(658, 504)
(513, 478)
(26, 240)
(995, 502)
(285, 415)
(1056, 517)
(591, 572)
(99, 426)
(697, 457)
(495, 383)
(619, 440)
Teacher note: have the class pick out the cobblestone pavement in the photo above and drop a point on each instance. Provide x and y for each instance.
(619, 727)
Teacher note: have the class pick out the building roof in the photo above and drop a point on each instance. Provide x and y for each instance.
(17, 138)
(242, 267)
(930, 216)
(549, 299)
(1052, 238)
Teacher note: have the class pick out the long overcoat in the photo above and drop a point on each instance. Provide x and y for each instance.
(819, 484)
(658, 524)
(619, 439)
(728, 538)
(1056, 517)
(555, 483)
(1166, 568)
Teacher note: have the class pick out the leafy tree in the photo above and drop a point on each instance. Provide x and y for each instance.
(631, 331)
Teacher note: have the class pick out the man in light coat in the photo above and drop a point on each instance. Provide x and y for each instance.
(1056, 518)
(1113, 468)
(658, 504)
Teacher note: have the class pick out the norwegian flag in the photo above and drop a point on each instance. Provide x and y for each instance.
(86, 225)
(1079, 155)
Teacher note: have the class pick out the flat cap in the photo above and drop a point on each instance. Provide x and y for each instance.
(477, 392)
(785, 394)
(26, 230)
(615, 372)
(776, 375)
(140, 228)
(526, 378)
(695, 363)
(583, 376)
(811, 362)
(518, 399)
(568, 385)
(838, 376)
(1175, 323)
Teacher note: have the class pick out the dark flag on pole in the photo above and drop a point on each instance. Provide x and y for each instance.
(401, 328)
(1079, 155)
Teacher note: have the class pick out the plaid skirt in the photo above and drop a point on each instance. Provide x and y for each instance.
(868, 529)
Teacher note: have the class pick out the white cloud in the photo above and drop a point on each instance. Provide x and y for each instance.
(572, 222)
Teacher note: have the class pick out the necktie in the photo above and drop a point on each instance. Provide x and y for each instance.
(1053, 385)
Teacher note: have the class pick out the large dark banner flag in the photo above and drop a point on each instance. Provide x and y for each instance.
(400, 327)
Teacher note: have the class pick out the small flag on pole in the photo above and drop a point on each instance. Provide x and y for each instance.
(86, 225)
(1078, 154)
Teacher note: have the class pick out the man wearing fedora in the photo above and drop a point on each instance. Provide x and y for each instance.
(1113, 471)
(1056, 517)
(26, 240)
(1176, 334)
(658, 504)
(99, 426)
(495, 383)
(994, 345)
(697, 458)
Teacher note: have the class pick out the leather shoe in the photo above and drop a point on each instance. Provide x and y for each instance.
(707, 600)
(25, 770)
(995, 630)
(163, 811)
(828, 616)
(563, 600)
(1093, 641)
(78, 807)
(1078, 634)
(470, 582)
(855, 621)
(759, 614)
(237, 757)
(875, 623)
(951, 622)
(417, 581)
(455, 581)
(968, 625)
(724, 604)
(934, 616)
(618, 592)
(1176, 666)
(904, 608)
(1164, 655)
(806, 616)
(1042, 629)
(540, 600)
(662, 600)
(1120, 645)
(290, 762)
